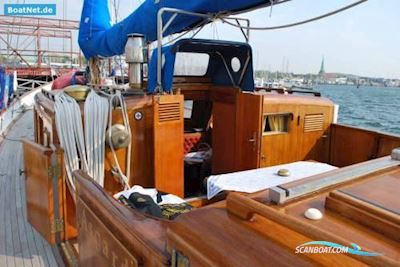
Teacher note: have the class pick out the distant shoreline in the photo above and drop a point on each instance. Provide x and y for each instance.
(352, 85)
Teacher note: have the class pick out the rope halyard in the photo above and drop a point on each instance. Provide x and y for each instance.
(70, 133)
(96, 117)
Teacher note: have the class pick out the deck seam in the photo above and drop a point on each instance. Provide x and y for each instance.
(20, 244)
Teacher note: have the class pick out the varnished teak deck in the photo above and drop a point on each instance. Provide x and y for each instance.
(20, 244)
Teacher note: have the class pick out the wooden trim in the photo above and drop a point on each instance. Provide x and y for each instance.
(191, 79)
(378, 219)
(355, 128)
(140, 234)
(46, 103)
(286, 192)
(68, 254)
(245, 208)
(350, 145)
(43, 150)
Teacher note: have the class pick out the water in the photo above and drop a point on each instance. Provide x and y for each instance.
(376, 108)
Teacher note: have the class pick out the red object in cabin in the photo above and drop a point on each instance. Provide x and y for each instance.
(191, 142)
(71, 78)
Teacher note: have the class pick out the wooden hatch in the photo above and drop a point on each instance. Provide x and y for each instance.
(42, 211)
(374, 204)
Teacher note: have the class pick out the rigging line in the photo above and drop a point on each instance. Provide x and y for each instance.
(198, 28)
(116, 12)
(297, 23)
(271, 3)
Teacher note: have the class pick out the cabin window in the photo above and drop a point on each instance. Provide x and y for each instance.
(188, 105)
(191, 64)
(276, 123)
(197, 115)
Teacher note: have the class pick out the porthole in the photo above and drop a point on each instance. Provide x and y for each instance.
(235, 64)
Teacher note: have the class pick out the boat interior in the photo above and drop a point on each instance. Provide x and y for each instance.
(206, 125)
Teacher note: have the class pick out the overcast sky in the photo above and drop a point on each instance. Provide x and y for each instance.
(364, 40)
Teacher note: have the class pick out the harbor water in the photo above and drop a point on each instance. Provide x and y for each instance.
(376, 108)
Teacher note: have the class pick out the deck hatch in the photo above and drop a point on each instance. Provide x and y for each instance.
(169, 112)
(313, 122)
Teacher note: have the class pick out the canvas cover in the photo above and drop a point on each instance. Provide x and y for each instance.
(97, 37)
(217, 71)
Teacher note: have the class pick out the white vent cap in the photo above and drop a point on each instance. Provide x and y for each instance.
(396, 154)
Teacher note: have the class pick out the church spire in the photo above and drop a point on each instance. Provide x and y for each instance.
(322, 70)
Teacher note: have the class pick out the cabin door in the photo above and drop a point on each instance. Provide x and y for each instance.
(44, 190)
(249, 131)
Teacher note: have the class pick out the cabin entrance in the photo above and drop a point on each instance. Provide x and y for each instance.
(198, 127)
(210, 75)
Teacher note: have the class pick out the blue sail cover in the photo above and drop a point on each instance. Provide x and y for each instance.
(97, 37)
(11, 87)
(2, 86)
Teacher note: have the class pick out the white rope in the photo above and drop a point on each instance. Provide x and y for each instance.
(96, 117)
(70, 133)
(117, 98)
(90, 155)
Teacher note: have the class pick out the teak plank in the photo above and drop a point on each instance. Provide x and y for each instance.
(3, 260)
(9, 238)
(20, 244)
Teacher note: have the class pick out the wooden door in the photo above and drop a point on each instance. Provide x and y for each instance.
(248, 127)
(40, 173)
(168, 144)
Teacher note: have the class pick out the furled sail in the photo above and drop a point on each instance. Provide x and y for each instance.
(97, 37)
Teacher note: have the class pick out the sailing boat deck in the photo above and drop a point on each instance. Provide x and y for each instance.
(20, 244)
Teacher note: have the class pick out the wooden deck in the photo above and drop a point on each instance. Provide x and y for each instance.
(20, 244)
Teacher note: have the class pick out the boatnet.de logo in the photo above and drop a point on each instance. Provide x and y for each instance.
(29, 9)
(325, 247)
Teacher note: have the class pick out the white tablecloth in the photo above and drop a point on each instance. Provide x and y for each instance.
(259, 179)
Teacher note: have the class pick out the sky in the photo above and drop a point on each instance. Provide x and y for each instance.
(364, 40)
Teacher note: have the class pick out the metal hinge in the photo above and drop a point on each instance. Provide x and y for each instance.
(57, 226)
(54, 171)
(179, 260)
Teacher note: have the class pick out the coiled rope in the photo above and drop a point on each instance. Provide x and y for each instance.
(70, 133)
(85, 149)
(96, 118)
